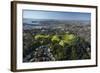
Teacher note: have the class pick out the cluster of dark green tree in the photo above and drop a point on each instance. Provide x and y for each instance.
(65, 46)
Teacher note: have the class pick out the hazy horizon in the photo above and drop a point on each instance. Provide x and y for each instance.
(55, 15)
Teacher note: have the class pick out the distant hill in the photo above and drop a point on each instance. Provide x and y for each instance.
(53, 22)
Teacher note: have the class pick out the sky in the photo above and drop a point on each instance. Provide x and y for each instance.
(34, 14)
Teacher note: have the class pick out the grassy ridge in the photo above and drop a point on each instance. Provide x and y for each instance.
(66, 46)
